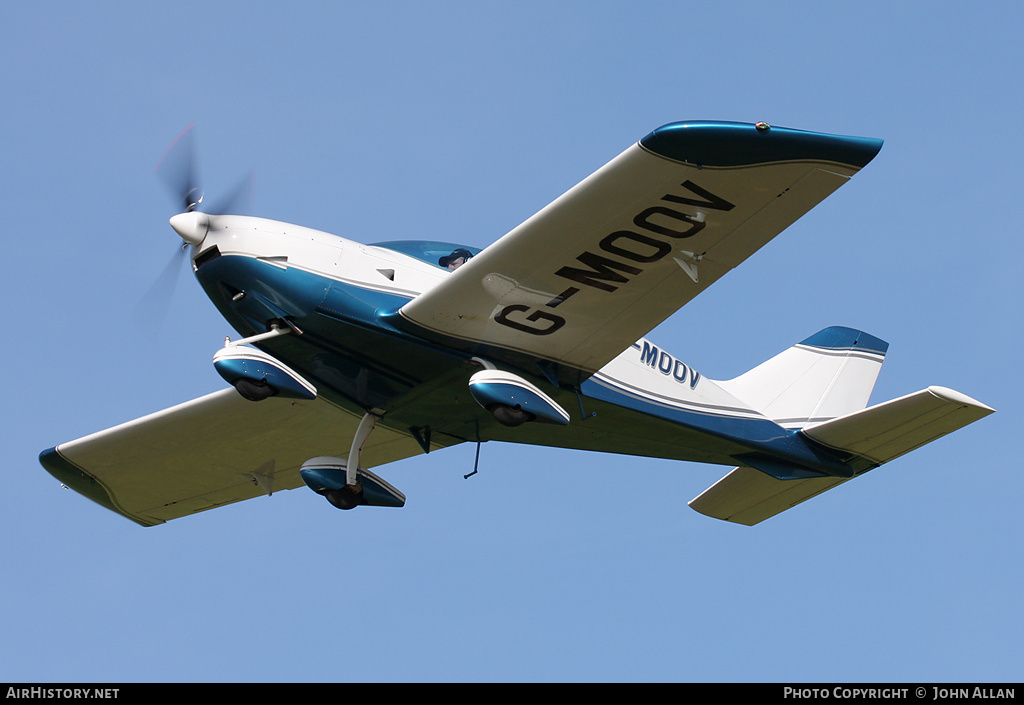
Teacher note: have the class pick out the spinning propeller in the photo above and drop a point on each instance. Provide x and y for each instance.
(177, 169)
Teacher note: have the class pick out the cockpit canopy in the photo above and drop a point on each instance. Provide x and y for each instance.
(427, 251)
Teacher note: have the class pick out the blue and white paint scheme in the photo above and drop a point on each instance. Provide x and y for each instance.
(355, 355)
(257, 376)
(514, 400)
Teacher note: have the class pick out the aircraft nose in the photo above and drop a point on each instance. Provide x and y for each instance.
(191, 226)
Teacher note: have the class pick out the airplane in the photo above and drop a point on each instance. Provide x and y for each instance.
(351, 356)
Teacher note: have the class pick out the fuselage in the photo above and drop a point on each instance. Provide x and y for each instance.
(342, 300)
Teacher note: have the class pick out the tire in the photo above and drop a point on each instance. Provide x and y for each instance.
(345, 498)
(510, 415)
(254, 391)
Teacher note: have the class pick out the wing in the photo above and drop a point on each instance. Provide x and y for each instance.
(211, 451)
(601, 266)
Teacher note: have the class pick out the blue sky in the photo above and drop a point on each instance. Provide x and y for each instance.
(457, 121)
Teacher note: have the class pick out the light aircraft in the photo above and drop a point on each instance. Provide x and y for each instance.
(352, 356)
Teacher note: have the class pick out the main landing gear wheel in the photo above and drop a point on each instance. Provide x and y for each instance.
(345, 498)
(510, 415)
(254, 391)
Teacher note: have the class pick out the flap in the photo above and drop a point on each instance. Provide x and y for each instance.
(617, 254)
(212, 451)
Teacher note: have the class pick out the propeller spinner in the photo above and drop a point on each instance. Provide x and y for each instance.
(191, 226)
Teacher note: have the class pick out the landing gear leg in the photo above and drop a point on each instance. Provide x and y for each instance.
(366, 425)
(343, 483)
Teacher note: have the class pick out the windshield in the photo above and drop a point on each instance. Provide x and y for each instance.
(435, 253)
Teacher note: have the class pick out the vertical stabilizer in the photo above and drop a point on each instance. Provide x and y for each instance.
(827, 375)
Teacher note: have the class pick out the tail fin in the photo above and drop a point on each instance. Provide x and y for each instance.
(825, 376)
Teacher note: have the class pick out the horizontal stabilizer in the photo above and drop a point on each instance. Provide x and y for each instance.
(872, 436)
(881, 433)
(748, 496)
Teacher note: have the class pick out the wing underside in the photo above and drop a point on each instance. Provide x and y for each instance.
(602, 265)
(212, 451)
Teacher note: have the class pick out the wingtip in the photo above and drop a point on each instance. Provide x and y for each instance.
(951, 395)
(711, 143)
